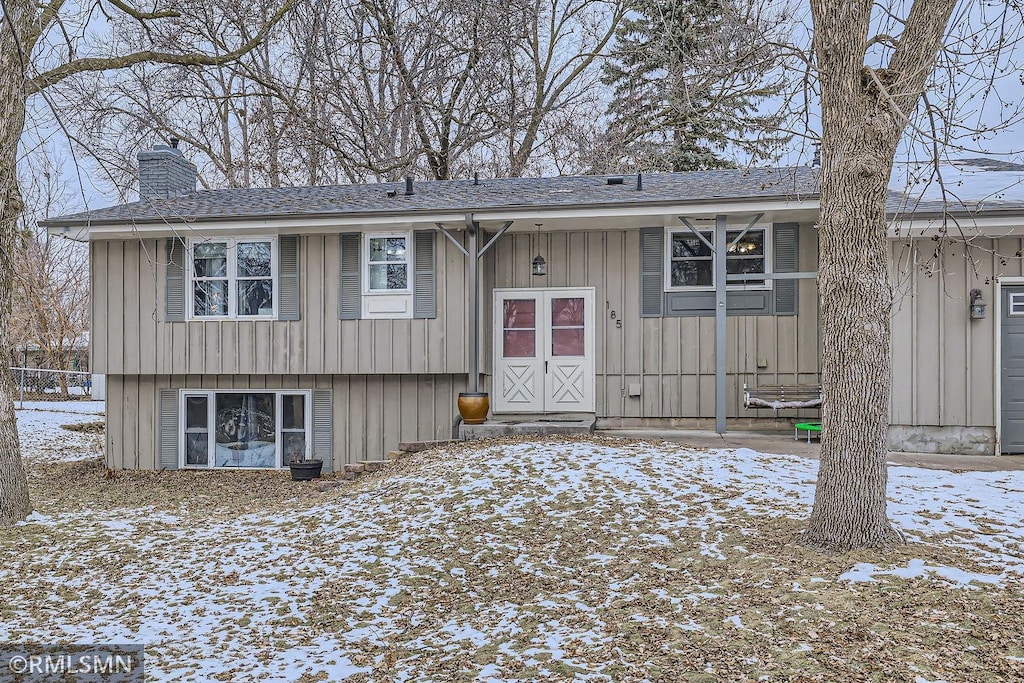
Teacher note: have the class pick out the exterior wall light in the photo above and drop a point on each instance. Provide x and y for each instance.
(977, 305)
(540, 266)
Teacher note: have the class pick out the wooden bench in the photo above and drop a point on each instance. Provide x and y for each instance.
(777, 396)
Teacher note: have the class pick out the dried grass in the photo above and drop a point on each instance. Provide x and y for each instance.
(764, 605)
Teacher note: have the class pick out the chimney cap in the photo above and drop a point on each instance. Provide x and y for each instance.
(174, 142)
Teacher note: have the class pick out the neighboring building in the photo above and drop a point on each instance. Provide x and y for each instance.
(74, 352)
(26, 358)
(237, 327)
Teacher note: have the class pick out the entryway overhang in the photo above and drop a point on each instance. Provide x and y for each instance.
(745, 215)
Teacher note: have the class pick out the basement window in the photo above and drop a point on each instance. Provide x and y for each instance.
(244, 429)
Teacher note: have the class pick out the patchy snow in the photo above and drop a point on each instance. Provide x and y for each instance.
(78, 407)
(865, 572)
(569, 559)
(42, 438)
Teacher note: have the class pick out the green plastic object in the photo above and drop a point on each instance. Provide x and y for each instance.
(809, 427)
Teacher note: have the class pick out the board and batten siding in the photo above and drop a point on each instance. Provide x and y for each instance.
(372, 414)
(672, 358)
(131, 336)
(943, 363)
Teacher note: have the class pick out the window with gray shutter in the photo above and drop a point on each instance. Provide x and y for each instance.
(289, 303)
(424, 294)
(787, 245)
(350, 299)
(323, 428)
(176, 281)
(167, 429)
(652, 280)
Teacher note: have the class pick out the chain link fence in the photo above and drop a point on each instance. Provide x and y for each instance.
(43, 384)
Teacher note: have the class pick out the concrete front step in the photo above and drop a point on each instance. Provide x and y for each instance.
(539, 425)
(365, 466)
(417, 446)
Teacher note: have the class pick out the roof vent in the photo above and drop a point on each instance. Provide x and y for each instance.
(408, 186)
(639, 181)
(392, 193)
(615, 180)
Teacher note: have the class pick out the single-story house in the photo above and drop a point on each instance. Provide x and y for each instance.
(240, 327)
(74, 352)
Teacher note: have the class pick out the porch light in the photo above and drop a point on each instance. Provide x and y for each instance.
(977, 305)
(540, 266)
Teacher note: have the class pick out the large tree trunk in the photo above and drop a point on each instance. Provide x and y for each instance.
(14, 499)
(856, 299)
(863, 114)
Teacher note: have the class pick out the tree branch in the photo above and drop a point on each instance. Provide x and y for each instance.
(58, 74)
(143, 16)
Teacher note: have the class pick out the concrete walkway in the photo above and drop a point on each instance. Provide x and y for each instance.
(784, 443)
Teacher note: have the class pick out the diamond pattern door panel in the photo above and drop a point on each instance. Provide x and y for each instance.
(567, 386)
(519, 386)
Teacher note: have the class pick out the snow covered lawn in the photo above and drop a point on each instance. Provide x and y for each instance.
(586, 559)
(43, 440)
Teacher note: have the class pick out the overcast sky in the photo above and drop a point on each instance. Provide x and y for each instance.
(982, 108)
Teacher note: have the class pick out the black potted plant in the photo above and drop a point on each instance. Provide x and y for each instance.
(304, 468)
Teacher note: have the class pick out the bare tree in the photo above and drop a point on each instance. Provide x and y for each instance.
(350, 91)
(40, 46)
(50, 310)
(877, 66)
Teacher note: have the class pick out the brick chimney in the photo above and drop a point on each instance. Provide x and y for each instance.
(164, 172)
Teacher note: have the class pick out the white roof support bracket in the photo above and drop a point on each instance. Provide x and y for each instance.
(454, 240)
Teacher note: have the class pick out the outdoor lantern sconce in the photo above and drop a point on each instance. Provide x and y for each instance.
(977, 305)
(540, 266)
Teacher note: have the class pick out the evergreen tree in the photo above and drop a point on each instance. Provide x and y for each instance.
(688, 76)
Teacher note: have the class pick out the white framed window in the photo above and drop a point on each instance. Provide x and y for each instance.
(388, 268)
(1016, 304)
(690, 263)
(233, 278)
(247, 429)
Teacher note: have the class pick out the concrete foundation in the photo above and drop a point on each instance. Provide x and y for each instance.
(951, 440)
(701, 423)
(540, 425)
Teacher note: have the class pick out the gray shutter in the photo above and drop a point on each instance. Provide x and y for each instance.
(350, 300)
(786, 247)
(288, 301)
(174, 294)
(652, 277)
(424, 293)
(323, 428)
(167, 430)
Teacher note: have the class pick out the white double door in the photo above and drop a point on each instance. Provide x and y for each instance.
(543, 350)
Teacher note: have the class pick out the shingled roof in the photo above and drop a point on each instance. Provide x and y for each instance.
(457, 195)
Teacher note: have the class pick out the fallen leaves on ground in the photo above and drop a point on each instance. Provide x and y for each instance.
(572, 558)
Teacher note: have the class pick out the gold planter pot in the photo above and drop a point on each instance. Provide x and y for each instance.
(473, 407)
